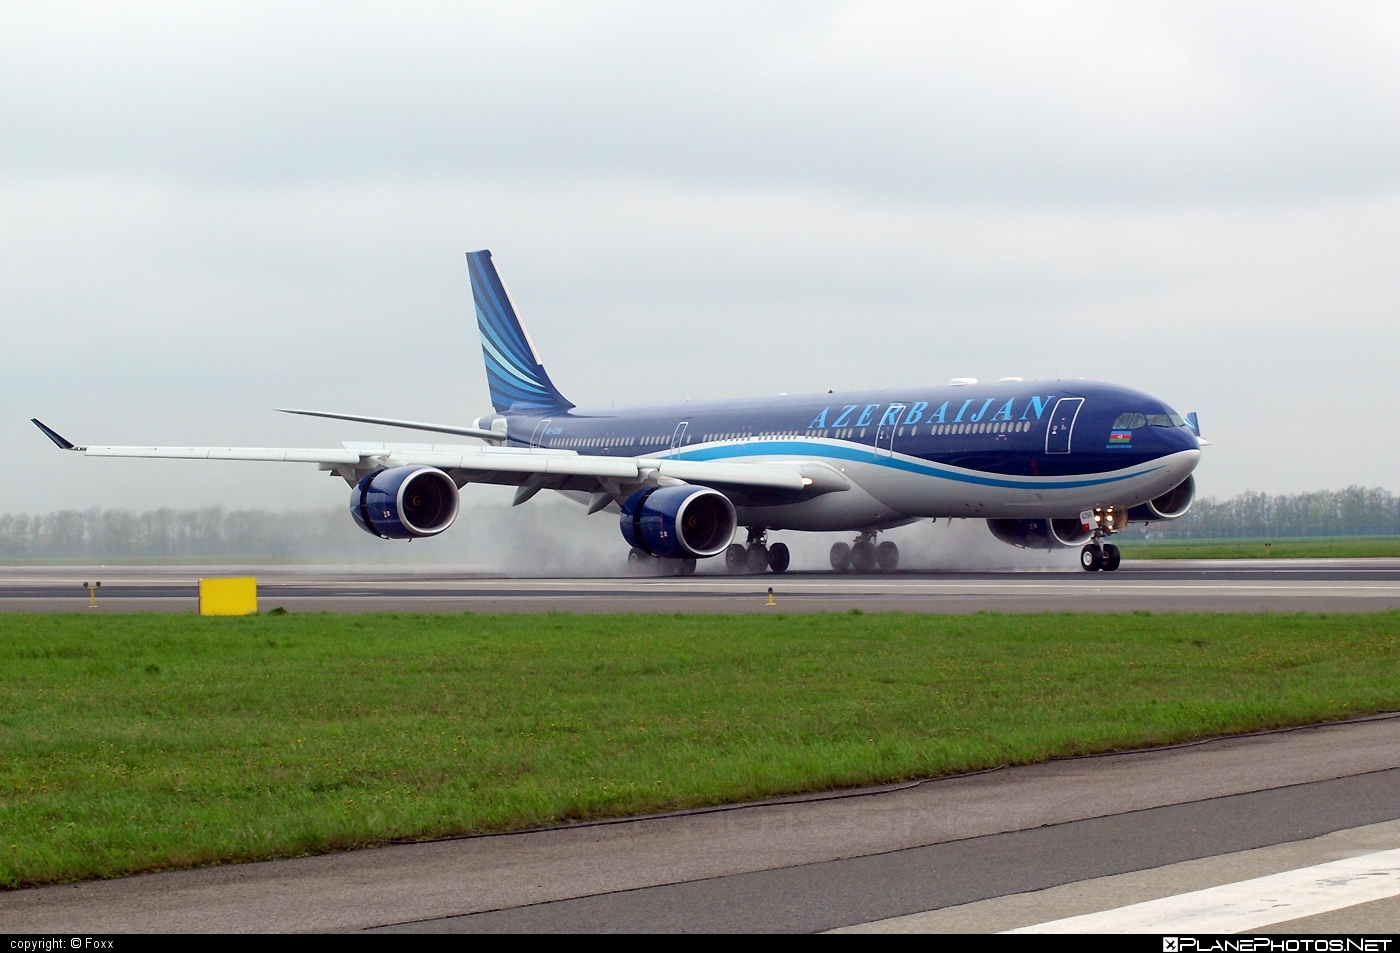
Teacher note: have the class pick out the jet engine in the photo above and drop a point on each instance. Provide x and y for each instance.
(1170, 505)
(404, 502)
(1039, 533)
(677, 522)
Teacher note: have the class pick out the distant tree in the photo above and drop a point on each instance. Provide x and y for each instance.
(1354, 511)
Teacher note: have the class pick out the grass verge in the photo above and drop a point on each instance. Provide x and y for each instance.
(1313, 548)
(141, 742)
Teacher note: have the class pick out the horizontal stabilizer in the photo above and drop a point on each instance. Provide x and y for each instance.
(405, 424)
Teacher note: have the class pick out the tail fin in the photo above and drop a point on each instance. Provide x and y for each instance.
(513, 370)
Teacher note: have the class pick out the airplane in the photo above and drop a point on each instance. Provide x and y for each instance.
(1048, 464)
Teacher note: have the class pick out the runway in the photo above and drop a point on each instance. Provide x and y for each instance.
(1294, 585)
(1015, 848)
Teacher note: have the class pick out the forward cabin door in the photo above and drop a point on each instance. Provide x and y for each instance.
(884, 437)
(1057, 437)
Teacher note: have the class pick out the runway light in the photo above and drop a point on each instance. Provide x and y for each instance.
(770, 596)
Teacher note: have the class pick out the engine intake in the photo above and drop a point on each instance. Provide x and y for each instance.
(1039, 533)
(679, 521)
(1170, 505)
(405, 502)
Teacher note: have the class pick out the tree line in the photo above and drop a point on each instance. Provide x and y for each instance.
(1355, 511)
(213, 531)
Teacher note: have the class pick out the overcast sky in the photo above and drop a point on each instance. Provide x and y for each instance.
(210, 211)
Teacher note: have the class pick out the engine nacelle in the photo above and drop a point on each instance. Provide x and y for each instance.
(1170, 505)
(1039, 533)
(405, 502)
(679, 521)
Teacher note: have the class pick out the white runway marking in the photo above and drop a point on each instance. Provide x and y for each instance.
(1249, 904)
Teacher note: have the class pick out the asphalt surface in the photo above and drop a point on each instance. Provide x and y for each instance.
(819, 897)
(1294, 585)
(969, 848)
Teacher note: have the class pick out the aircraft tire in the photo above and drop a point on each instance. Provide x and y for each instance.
(841, 556)
(736, 559)
(862, 556)
(778, 557)
(1111, 558)
(638, 562)
(757, 557)
(887, 556)
(686, 566)
(1091, 558)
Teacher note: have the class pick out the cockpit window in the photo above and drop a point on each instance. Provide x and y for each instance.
(1129, 421)
(1166, 420)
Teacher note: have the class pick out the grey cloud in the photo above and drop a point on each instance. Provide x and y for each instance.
(1079, 103)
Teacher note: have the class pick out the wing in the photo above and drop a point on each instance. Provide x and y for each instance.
(510, 465)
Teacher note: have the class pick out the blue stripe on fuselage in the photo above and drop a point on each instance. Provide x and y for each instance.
(806, 448)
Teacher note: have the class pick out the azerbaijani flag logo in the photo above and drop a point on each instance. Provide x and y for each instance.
(1120, 438)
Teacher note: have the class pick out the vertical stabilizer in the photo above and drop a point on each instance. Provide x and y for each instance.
(513, 370)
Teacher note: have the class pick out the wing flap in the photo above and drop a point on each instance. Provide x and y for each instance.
(790, 476)
(267, 454)
(519, 461)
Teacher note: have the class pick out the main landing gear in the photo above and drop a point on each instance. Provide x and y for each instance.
(642, 563)
(1098, 556)
(757, 555)
(864, 555)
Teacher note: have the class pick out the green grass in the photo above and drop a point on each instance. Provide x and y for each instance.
(1312, 548)
(132, 743)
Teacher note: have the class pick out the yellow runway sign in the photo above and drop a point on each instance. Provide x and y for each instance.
(238, 596)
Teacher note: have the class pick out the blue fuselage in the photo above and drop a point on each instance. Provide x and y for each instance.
(1011, 449)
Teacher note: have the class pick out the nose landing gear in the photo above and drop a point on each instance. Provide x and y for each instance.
(757, 555)
(1094, 557)
(864, 555)
(1099, 555)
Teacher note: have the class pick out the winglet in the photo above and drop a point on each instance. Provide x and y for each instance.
(60, 441)
(1193, 423)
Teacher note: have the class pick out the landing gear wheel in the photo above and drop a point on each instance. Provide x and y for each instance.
(862, 556)
(686, 566)
(778, 557)
(1111, 557)
(887, 556)
(736, 558)
(1091, 558)
(841, 556)
(638, 562)
(757, 557)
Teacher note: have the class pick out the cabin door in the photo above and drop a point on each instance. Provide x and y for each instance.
(678, 438)
(884, 437)
(537, 438)
(1057, 437)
